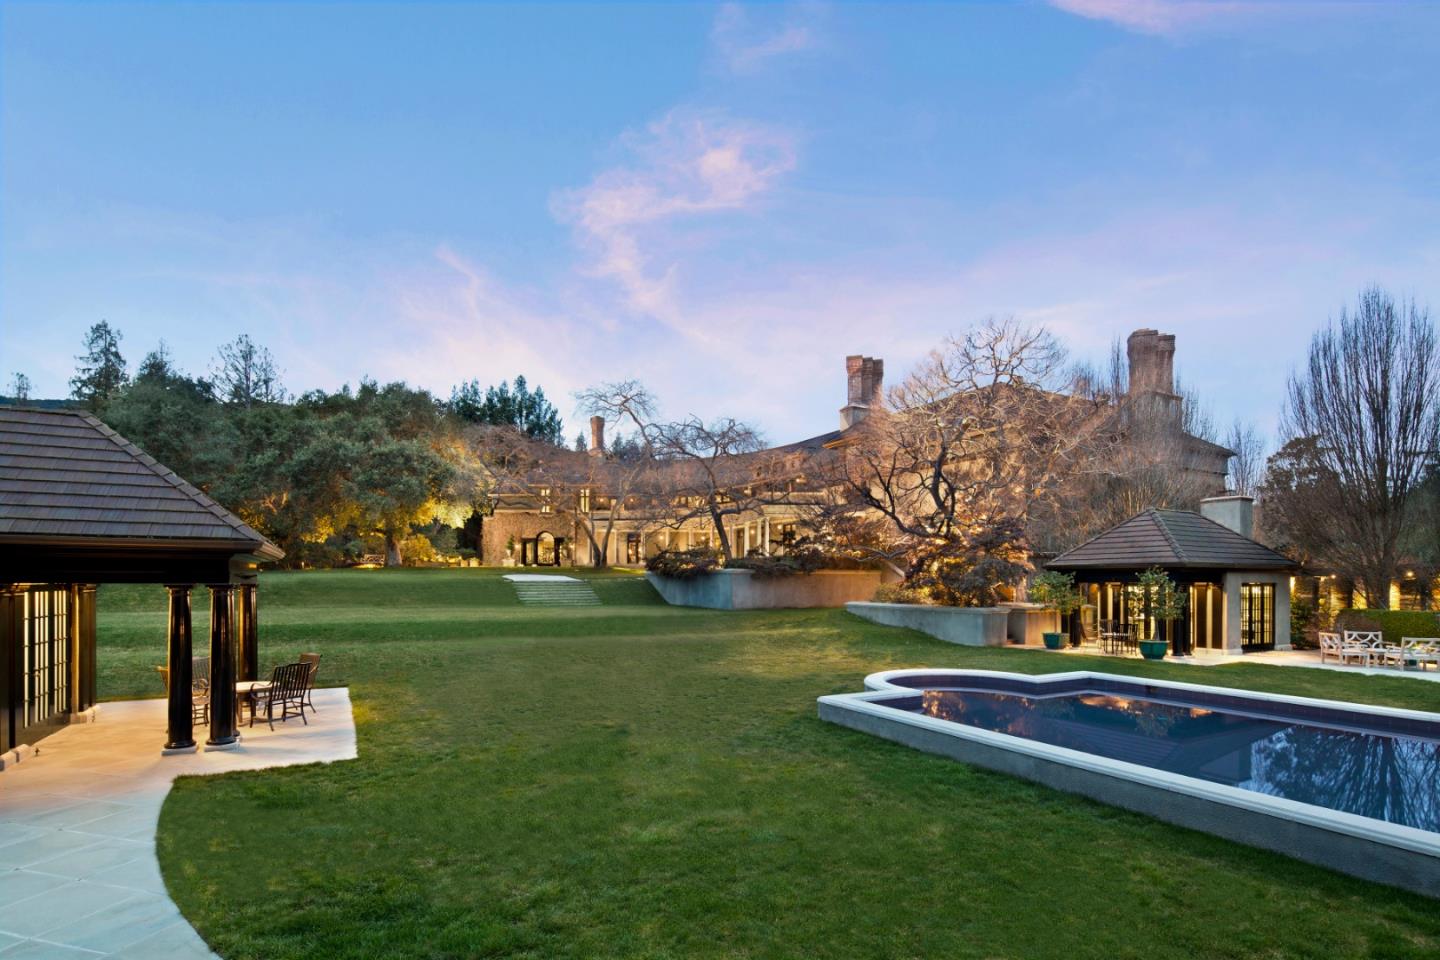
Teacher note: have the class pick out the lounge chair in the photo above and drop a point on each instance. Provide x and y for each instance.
(286, 690)
(1417, 650)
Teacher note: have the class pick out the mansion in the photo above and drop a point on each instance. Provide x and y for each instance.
(530, 525)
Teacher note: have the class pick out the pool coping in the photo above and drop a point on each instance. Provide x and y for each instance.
(1388, 853)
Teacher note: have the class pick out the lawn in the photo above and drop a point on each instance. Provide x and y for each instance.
(637, 780)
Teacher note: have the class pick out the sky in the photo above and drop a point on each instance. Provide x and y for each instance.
(721, 200)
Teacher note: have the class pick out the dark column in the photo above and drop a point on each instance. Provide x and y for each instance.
(182, 670)
(222, 667)
(11, 636)
(246, 632)
(87, 646)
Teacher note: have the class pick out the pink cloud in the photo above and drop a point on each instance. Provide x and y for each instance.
(687, 164)
(744, 47)
(1163, 17)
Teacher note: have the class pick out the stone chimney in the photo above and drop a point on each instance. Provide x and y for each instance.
(1233, 511)
(864, 389)
(597, 436)
(1152, 362)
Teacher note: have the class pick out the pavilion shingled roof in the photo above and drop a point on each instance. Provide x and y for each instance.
(1173, 539)
(67, 477)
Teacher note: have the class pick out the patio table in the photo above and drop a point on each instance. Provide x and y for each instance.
(243, 691)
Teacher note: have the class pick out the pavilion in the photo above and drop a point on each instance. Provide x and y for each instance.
(1238, 590)
(81, 506)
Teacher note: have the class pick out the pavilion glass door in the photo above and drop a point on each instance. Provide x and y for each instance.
(44, 662)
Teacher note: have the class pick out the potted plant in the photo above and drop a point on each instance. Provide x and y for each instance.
(1056, 591)
(1164, 603)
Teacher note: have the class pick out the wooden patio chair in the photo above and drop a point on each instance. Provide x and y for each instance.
(285, 690)
(1364, 646)
(312, 660)
(1330, 647)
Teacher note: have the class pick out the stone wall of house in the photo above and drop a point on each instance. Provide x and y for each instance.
(521, 525)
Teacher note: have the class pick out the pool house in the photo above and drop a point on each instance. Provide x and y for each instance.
(1237, 589)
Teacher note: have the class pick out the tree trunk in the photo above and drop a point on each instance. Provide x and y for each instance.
(1377, 591)
(718, 522)
(393, 557)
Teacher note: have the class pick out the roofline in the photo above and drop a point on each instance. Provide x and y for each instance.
(1059, 562)
(264, 549)
(1188, 565)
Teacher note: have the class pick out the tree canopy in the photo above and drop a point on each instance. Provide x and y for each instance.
(507, 406)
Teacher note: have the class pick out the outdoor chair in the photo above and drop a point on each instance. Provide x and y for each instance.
(1417, 650)
(312, 660)
(199, 687)
(285, 690)
(1330, 646)
(1365, 646)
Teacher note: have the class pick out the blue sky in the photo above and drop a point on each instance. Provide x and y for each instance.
(721, 200)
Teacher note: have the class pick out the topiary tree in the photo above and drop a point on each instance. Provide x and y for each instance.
(1057, 591)
(1164, 601)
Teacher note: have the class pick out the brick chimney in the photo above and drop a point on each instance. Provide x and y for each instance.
(597, 436)
(864, 389)
(1152, 362)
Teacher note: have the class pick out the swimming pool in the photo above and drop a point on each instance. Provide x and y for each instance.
(1352, 787)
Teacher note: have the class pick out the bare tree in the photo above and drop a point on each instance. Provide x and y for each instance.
(1150, 451)
(594, 492)
(691, 469)
(1368, 401)
(718, 471)
(19, 387)
(1247, 466)
(972, 444)
(245, 374)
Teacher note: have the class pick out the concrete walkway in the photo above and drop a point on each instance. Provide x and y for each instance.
(78, 873)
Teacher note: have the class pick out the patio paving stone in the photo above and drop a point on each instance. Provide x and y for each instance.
(78, 872)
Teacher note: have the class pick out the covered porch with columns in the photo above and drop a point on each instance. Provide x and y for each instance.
(84, 507)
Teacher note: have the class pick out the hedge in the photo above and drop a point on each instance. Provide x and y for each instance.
(1395, 623)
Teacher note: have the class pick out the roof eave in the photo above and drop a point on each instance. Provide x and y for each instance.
(264, 549)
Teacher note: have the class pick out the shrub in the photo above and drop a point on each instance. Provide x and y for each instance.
(1303, 624)
(683, 564)
(417, 548)
(896, 593)
(797, 560)
(1395, 624)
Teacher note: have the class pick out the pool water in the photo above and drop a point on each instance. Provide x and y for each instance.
(1386, 776)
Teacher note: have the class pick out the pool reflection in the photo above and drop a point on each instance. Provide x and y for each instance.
(1378, 775)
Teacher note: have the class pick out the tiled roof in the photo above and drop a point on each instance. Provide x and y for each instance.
(1170, 538)
(64, 475)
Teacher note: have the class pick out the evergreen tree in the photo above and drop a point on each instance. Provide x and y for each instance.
(100, 373)
(519, 407)
(580, 446)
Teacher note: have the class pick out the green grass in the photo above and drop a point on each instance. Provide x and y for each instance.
(644, 781)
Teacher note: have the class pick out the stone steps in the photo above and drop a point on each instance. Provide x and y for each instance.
(576, 594)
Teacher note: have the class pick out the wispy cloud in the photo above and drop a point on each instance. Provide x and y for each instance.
(745, 45)
(686, 164)
(1164, 17)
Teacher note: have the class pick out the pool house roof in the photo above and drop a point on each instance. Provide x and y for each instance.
(1173, 539)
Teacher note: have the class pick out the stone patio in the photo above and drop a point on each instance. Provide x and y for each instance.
(78, 873)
